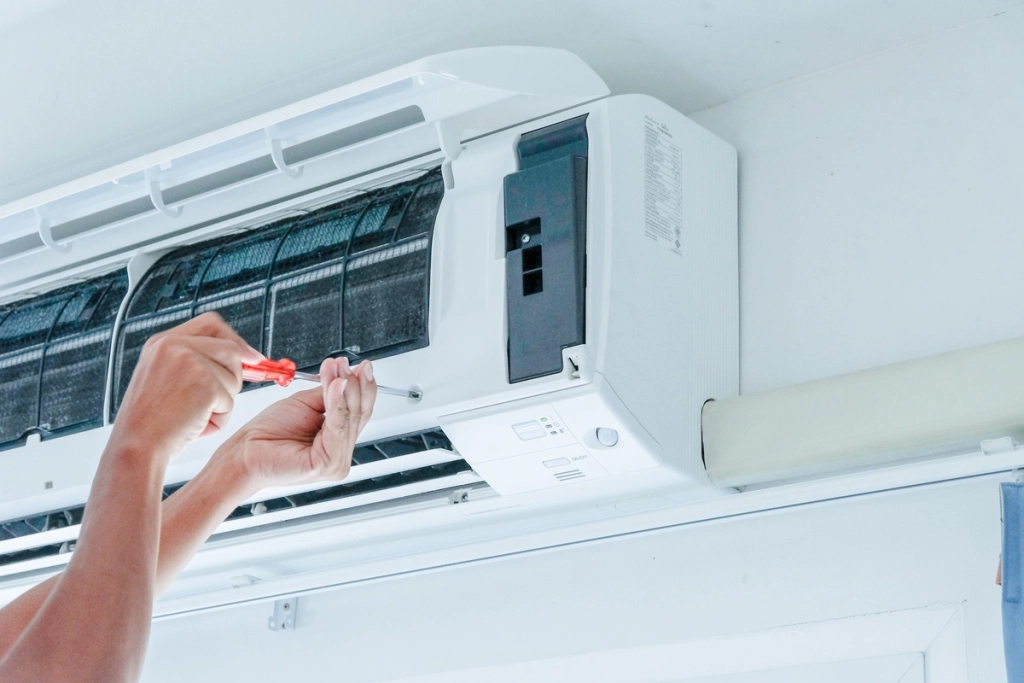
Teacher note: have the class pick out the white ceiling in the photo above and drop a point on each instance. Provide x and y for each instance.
(76, 76)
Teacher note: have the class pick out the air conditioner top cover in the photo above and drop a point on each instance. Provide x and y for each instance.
(473, 92)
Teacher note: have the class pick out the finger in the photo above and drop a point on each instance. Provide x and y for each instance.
(217, 372)
(336, 417)
(311, 398)
(329, 369)
(353, 399)
(227, 385)
(368, 392)
(345, 373)
(338, 433)
(218, 421)
(216, 387)
(222, 354)
(210, 324)
(196, 354)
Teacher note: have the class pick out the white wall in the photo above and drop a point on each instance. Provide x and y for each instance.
(881, 210)
(880, 220)
(861, 556)
(88, 83)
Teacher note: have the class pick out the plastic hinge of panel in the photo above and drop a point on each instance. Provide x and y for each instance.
(156, 195)
(43, 226)
(450, 139)
(277, 155)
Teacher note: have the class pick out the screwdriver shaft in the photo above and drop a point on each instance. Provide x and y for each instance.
(390, 391)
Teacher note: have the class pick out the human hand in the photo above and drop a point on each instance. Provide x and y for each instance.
(309, 436)
(183, 386)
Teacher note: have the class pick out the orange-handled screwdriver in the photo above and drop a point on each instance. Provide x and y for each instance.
(283, 371)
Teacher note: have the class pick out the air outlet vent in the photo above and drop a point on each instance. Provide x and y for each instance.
(569, 475)
(351, 278)
(392, 448)
(54, 351)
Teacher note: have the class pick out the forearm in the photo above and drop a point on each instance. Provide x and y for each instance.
(105, 595)
(195, 511)
(187, 519)
(15, 617)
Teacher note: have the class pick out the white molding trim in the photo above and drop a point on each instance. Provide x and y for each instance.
(931, 637)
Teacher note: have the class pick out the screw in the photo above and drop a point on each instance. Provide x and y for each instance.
(526, 238)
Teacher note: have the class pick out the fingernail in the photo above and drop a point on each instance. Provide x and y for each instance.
(345, 370)
(368, 371)
(256, 354)
(335, 394)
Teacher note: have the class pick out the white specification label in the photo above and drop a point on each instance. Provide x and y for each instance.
(663, 186)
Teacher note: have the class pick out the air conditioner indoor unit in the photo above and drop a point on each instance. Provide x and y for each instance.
(553, 267)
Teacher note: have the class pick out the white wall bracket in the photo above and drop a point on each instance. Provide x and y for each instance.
(285, 615)
(277, 155)
(450, 139)
(43, 226)
(156, 195)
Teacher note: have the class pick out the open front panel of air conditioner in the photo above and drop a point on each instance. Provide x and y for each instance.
(350, 277)
(520, 250)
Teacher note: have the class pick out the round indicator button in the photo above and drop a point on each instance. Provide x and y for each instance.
(607, 437)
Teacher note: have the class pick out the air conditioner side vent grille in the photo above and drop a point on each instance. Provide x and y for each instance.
(569, 475)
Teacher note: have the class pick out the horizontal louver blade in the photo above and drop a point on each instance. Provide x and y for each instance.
(34, 537)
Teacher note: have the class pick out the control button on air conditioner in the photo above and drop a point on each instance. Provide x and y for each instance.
(607, 437)
(529, 430)
(556, 462)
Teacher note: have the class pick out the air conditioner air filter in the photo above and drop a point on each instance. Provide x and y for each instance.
(54, 353)
(351, 278)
